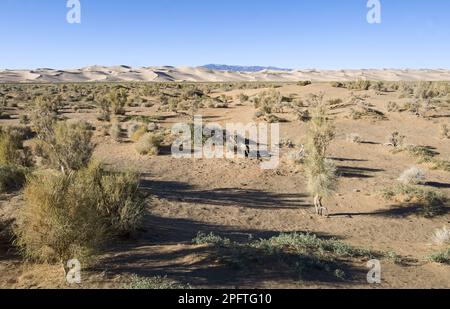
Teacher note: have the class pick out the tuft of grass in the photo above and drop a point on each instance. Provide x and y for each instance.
(210, 239)
(155, 283)
(432, 202)
(442, 257)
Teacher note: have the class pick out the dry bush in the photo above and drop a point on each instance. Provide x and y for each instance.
(396, 140)
(361, 112)
(136, 131)
(304, 83)
(392, 107)
(69, 216)
(441, 236)
(243, 98)
(44, 115)
(354, 138)
(358, 85)
(70, 148)
(118, 99)
(115, 131)
(59, 220)
(337, 85)
(378, 86)
(149, 144)
(412, 176)
(321, 172)
(105, 109)
(12, 151)
(117, 198)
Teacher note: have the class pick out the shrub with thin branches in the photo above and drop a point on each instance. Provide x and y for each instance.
(70, 148)
(71, 215)
(149, 144)
(320, 171)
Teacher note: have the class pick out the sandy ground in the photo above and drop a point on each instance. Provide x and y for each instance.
(236, 199)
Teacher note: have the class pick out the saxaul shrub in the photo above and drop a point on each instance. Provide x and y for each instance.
(149, 144)
(243, 98)
(105, 109)
(59, 220)
(44, 115)
(118, 99)
(71, 215)
(12, 150)
(321, 172)
(136, 131)
(115, 131)
(69, 148)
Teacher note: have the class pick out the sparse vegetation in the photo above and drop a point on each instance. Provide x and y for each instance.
(303, 254)
(430, 203)
(155, 283)
(442, 257)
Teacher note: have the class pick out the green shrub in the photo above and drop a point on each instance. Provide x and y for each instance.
(432, 202)
(210, 239)
(442, 257)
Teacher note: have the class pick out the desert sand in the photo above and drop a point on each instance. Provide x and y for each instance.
(200, 74)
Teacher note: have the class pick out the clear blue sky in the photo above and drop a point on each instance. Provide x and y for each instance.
(285, 33)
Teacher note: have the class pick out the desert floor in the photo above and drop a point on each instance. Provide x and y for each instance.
(239, 200)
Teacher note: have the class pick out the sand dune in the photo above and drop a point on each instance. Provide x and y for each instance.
(200, 74)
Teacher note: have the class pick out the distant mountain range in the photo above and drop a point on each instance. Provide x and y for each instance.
(239, 68)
